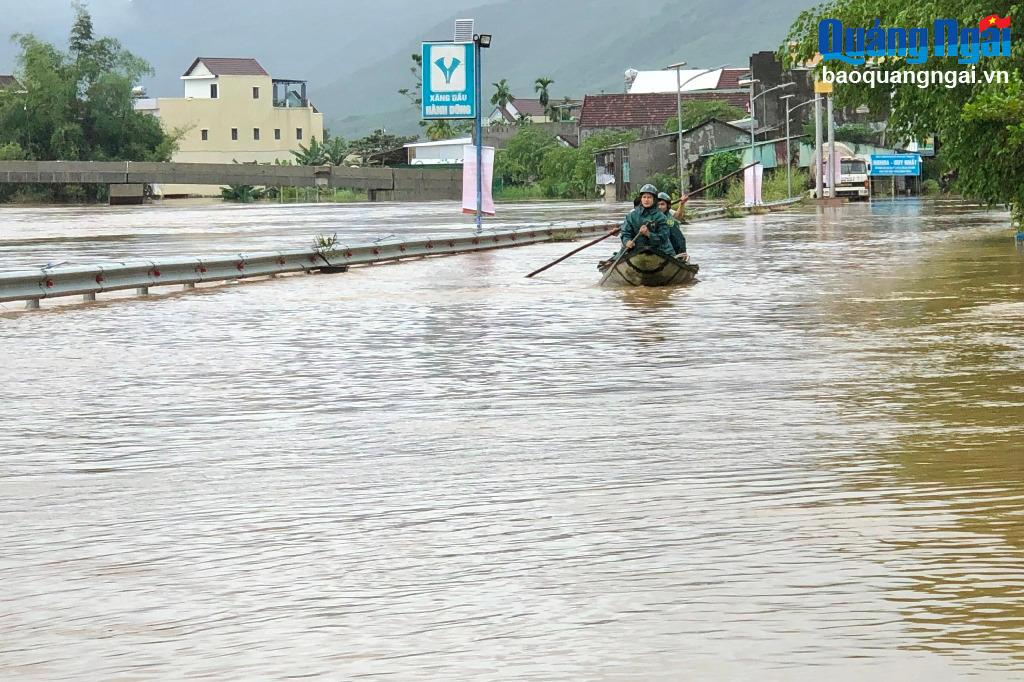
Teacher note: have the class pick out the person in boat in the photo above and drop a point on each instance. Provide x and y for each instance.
(675, 232)
(645, 226)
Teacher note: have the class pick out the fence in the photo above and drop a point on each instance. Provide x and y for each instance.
(87, 281)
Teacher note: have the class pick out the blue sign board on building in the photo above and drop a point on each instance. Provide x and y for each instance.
(896, 164)
(449, 78)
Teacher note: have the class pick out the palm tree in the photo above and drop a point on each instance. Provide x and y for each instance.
(541, 85)
(502, 95)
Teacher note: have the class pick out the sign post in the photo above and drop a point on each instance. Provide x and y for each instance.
(478, 127)
(451, 89)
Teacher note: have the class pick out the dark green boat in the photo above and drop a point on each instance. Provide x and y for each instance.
(647, 268)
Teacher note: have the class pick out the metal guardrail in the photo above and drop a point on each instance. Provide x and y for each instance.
(87, 281)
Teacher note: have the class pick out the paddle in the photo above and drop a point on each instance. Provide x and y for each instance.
(574, 251)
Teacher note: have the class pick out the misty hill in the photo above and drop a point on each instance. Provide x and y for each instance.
(356, 55)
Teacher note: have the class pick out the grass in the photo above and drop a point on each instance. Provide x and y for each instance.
(565, 236)
(309, 195)
(519, 193)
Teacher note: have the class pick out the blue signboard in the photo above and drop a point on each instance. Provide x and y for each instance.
(896, 164)
(449, 76)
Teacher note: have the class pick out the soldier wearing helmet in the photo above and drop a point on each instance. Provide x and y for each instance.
(675, 232)
(645, 226)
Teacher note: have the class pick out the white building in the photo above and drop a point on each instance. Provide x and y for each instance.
(643, 82)
(441, 151)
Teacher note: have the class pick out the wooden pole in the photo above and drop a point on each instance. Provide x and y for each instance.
(574, 251)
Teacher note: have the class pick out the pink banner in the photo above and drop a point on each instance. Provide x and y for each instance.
(752, 185)
(469, 179)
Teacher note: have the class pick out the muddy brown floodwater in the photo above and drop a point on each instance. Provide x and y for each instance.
(806, 466)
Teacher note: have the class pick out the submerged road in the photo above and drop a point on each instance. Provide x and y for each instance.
(807, 465)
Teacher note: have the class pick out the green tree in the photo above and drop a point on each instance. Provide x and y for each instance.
(502, 94)
(335, 148)
(980, 125)
(541, 86)
(568, 172)
(374, 146)
(313, 155)
(519, 163)
(77, 105)
(696, 112)
(717, 167)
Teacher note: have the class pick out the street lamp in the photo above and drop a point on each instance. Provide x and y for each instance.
(480, 41)
(751, 82)
(789, 161)
(679, 123)
(679, 116)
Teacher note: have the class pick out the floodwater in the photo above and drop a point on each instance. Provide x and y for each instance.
(806, 466)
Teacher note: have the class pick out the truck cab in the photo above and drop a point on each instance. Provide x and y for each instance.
(853, 179)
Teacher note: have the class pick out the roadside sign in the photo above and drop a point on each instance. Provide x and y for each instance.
(822, 88)
(896, 164)
(449, 76)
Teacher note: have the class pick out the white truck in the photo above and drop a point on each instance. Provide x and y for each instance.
(854, 182)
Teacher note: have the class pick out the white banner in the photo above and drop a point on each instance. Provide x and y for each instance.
(469, 179)
(752, 185)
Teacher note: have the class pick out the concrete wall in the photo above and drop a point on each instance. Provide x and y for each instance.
(416, 184)
(399, 184)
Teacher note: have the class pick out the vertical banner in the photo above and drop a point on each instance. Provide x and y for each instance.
(752, 185)
(469, 180)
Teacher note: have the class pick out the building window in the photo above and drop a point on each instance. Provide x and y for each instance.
(255, 133)
(298, 133)
(277, 133)
(234, 133)
(205, 134)
(255, 93)
(213, 91)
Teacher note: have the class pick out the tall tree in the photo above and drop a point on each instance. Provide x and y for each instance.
(980, 124)
(541, 86)
(502, 94)
(78, 105)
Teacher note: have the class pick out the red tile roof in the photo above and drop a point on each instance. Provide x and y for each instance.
(729, 79)
(650, 109)
(739, 100)
(627, 111)
(229, 66)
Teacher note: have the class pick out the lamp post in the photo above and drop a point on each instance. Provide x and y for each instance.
(679, 123)
(750, 82)
(789, 160)
(480, 41)
(679, 117)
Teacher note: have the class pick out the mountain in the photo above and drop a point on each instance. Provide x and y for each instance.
(357, 55)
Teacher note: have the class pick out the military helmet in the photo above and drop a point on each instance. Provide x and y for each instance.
(649, 189)
(663, 196)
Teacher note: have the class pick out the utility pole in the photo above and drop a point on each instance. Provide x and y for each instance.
(832, 167)
(819, 157)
